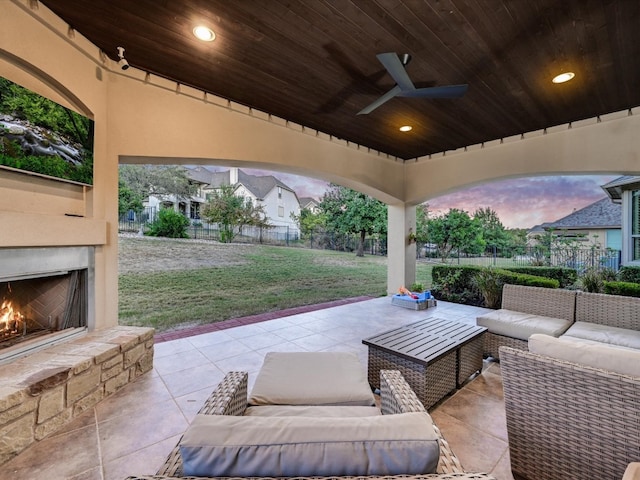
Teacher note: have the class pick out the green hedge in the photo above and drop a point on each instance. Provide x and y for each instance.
(626, 289)
(456, 283)
(565, 276)
(629, 274)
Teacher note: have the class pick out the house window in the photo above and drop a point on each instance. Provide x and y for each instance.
(280, 194)
(281, 211)
(635, 224)
(195, 211)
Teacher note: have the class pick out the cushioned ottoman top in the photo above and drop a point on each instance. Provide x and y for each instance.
(522, 325)
(311, 378)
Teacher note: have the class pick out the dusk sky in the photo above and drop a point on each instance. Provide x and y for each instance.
(519, 203)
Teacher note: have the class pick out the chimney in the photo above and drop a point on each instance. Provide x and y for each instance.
(233, 175)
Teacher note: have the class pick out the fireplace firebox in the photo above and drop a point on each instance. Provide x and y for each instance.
(36, 307)
(45, 297)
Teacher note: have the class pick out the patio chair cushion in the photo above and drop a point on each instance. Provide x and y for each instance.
(310, 411)
(522, 325)
(311, 378)
(606, 334)
(225, 445)
(586, 352)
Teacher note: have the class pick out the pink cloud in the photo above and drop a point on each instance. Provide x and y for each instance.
(525, 202)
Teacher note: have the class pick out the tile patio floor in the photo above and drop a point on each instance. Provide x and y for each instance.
(133, 431)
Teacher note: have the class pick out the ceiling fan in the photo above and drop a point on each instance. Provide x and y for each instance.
(395, 65)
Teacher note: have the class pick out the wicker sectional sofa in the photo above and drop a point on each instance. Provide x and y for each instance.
(533, 310)
(566, 420)
(230, 398)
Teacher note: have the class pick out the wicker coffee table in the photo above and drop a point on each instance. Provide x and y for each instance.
(434, 355)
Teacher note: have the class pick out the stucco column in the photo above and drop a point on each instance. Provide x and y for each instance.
(401, 255)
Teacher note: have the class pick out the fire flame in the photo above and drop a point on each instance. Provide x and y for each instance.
(10, 318)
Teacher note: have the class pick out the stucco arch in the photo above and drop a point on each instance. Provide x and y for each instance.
(606, 145)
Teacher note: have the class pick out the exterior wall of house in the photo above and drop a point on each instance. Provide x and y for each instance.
(280, 205)
(36, 52)
(278, 208)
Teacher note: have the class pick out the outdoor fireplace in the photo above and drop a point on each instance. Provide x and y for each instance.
(45, 297)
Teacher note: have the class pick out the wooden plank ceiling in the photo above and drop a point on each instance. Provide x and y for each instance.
(314, 62)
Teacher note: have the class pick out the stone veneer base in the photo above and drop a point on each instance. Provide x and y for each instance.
(44, 391)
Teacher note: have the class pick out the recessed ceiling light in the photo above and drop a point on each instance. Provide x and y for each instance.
(204, 33)
(406, 128)
(563, 77)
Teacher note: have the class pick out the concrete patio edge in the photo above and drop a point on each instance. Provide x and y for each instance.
(261, 317)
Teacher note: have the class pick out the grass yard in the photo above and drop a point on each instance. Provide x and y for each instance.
(169, 284)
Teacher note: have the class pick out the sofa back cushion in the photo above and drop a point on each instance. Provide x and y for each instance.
(312, 378)
(587, 352)
(611, 310)
(231, 446)
(546, 302)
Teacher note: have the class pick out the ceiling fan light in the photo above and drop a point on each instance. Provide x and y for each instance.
(563, 77)
(204, 33)
(406, 128)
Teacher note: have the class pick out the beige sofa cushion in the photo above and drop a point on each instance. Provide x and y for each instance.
(605, 334)
(311, 378)
(522, 325)
(310, 411)
(223, 445)
(587, 352)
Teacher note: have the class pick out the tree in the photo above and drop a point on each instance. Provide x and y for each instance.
(128, 199)
(455, 230)
(158, 180)
(308, 221)
(232, 212)
(169, 224)
(349, 211)
(422, 222)
(493, 232)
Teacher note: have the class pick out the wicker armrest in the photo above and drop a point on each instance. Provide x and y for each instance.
(228, 398)
(396, 396)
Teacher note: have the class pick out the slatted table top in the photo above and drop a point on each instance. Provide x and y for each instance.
(427, 340)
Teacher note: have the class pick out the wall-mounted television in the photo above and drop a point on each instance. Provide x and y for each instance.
(39, 135)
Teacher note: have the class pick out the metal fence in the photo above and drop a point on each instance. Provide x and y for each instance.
(579, 259)
(282, 235)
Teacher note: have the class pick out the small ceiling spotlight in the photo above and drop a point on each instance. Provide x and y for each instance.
(563, 77)
(406, 128)
(204, 33)
(123, 61)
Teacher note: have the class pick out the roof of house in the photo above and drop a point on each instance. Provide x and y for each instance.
(258, 185)
(615, 187)
(601, 214)
(306, 201)
(540, 228)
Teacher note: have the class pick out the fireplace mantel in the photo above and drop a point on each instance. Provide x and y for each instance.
(35, 230)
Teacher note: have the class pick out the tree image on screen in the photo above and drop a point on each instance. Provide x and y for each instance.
(41, 136)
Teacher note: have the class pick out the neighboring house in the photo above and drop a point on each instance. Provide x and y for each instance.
(310, 204)
(279, 200)
(626, 191)
(189, 207)
(596, 224)
(534, 233)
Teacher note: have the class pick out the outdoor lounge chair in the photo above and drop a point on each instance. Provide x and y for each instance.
(230, 398)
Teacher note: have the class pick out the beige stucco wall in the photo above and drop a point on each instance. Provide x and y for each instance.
(144, 119)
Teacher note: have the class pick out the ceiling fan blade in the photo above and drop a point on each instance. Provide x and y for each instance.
(448, 91)
(396, 69)
(384, 98)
